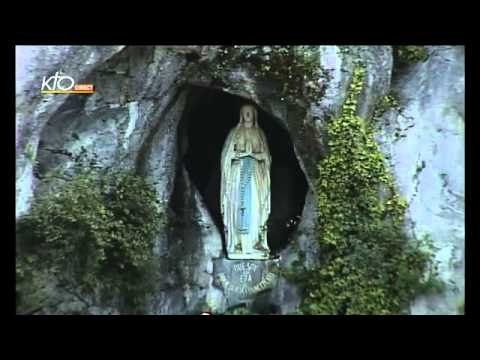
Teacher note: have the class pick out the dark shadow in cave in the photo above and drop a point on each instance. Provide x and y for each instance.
(209, 116)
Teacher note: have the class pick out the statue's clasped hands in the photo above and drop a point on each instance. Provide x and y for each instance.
(258, 156)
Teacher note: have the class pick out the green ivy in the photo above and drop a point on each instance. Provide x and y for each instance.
(410, 54)
(385, 103)
(367, 264)
(95, 232)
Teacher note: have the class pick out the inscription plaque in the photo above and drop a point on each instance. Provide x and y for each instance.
(241, 280)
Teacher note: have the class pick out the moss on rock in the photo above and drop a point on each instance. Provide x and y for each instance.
(410, 54)
(294, 69)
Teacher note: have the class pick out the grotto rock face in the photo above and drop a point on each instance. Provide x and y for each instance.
(33, 111)
(132, 122)
(425, 142)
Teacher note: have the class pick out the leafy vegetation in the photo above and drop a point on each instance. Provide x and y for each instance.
(294, 68)
(95, 232)
(410, 54)
(385, 103)
(367, 264)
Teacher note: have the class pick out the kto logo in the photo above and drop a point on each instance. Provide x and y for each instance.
(63, 84)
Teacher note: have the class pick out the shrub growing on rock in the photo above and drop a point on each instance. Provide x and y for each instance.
(95, 232)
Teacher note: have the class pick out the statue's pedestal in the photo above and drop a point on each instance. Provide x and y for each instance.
(242, 280)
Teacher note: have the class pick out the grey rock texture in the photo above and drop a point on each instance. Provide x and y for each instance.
(132, 121)
(33, 111)
(425, 142)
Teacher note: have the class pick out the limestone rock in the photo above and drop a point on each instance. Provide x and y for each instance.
(33, 110)
(425, 143)
(132, 120)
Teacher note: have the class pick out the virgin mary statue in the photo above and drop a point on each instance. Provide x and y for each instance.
(245, 188)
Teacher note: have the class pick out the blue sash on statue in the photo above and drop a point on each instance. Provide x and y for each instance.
(244, 200)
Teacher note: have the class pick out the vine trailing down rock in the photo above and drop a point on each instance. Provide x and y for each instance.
(367, 265)
(129, 231)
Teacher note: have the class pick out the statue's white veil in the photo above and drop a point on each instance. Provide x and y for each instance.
(255, 115)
